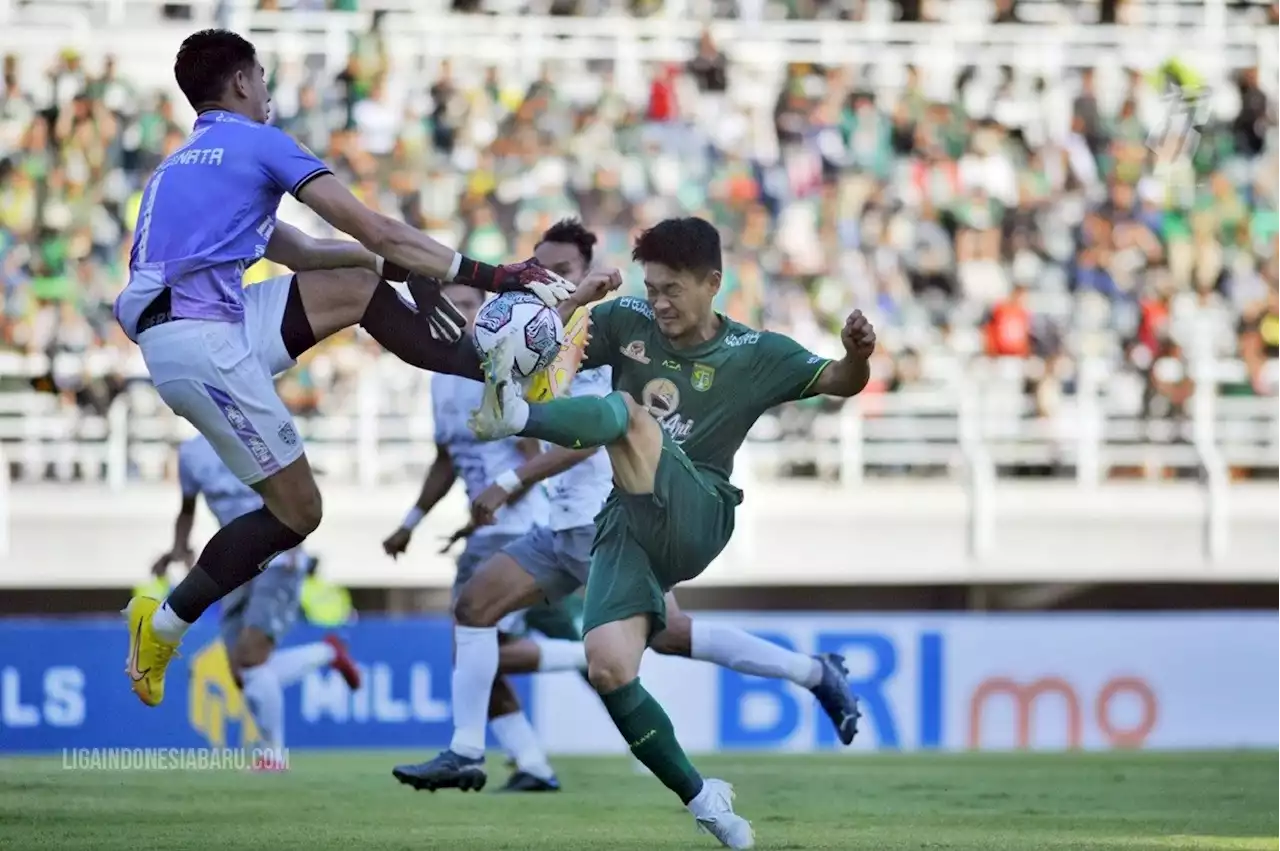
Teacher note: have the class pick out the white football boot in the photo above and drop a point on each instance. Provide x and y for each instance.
(503, 411)
(713, 809)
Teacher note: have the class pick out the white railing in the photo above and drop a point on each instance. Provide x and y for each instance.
(426, 32)
(970, 431)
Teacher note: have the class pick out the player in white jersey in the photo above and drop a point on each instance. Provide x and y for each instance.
(256, 615)
(460, 455)
(551, 563)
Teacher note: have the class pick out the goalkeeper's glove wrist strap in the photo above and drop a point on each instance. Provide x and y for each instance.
(473, 273)
(389, 270)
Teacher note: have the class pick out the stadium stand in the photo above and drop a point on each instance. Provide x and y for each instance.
(1050, 305)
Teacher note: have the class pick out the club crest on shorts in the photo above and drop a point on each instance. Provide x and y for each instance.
(288, 434)
(702, 377)
(635, 351)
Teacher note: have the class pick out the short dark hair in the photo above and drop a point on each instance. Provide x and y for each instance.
(206, 62)
(686, 245)
(572, 232)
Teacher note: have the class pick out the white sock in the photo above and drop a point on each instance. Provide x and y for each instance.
(167, 625)
(515, 734)
(473, 675)
(559, 654)
(741, 651)
(293, 663)
(265, 698)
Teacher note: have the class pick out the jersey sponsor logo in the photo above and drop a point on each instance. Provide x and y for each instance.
(235, 416)
(749, 339)
(671, 364)
(639, 305)
(259, 449)
(702, 377)
(661, 398)
(814, 359)
(635, 351)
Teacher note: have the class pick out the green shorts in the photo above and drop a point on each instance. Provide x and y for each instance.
(556, 620)
(647, 543)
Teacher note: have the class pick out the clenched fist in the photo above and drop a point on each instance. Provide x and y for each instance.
(858, 337)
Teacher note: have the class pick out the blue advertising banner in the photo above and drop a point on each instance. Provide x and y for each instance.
(62, 685)
(926, 682)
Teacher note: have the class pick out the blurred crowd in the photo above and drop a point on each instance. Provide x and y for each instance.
(995, 212)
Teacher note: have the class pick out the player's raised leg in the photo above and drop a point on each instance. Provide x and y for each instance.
(729, 647)
(328, 301)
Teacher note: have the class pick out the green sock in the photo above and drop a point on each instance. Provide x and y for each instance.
(577, 422)
(647, 729)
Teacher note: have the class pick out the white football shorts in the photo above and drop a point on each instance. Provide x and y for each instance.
(220, 377)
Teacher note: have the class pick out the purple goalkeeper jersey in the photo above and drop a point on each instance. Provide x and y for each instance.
(207, 215)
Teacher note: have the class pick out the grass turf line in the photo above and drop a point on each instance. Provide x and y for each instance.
(348, 800)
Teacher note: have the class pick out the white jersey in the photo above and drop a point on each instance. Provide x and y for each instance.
(578, 493)
(478, 462)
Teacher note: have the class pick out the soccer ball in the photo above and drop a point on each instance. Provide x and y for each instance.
(538, 329)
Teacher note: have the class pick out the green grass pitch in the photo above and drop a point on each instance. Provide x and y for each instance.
(349, 801)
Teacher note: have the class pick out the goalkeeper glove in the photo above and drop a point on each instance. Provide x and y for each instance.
(529, 275)
(445, 321)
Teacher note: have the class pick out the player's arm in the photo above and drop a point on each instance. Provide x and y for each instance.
(513, 484)
(595, 286)
(785, 371)
(408, 250)
(381, 235)
(299, 252)
(182, 525)
(846, 377)
(440, 478)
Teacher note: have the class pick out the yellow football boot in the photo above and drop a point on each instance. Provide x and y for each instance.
(553, 382)
(149, 654)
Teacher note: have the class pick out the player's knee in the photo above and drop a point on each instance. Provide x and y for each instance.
(303, 511)
(252, 649)
(607, 673)
(672, 641)
(347, 290)
(635, 414)
(472, 609)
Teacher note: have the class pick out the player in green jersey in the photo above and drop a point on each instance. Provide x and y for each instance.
(688, 385)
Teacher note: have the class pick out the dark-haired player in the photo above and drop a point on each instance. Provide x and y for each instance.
(567, 249)
(549, 563)
(211, 347)
(688, 385)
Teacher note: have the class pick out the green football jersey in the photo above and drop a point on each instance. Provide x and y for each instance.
(706, 398)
